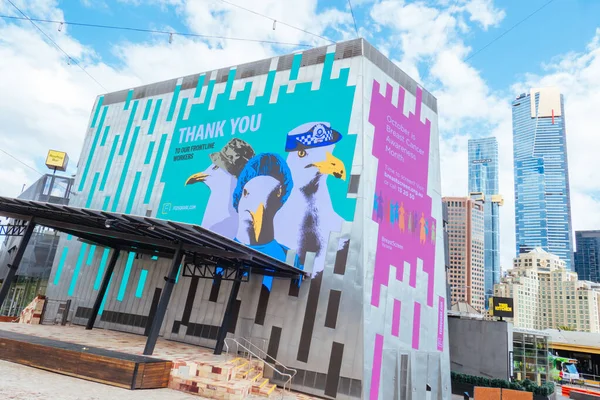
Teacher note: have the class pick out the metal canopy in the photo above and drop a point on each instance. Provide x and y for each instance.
(146, 235)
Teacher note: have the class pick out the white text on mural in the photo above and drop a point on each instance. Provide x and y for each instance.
(217, 129)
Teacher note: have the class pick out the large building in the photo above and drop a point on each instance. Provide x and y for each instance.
(548, 296)
(587, 257)
(483, 184)
(542, 198)
(465, 226)
(326, 159)
(35, 268)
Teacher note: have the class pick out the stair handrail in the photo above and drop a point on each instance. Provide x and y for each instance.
(270, 357)
(288, 382)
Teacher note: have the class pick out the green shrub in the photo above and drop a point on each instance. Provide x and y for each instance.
(545, 389)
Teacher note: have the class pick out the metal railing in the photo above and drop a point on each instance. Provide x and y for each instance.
(249, 353)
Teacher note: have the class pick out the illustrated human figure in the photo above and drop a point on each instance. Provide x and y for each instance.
(426, 228)
(380, 210)
(375, 204)
(422, 234)
(401, 218)
(410, 221)
(433, 232)
(394, 212)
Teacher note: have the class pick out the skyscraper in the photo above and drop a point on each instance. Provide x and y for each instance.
(483, 184)
(464, 224)
(542, 198)
(587, 257)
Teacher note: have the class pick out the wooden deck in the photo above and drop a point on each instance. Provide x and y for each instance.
(114, 368)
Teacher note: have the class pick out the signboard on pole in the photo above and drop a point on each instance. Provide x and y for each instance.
(57, 160)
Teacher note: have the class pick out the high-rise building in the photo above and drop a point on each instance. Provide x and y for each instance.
(465, 226)
(547, 295)
(483, 184)
(587, 257)
(542, 199)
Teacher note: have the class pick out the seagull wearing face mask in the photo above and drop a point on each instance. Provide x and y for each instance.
(308, 217)
(262, 189)
(221, 178)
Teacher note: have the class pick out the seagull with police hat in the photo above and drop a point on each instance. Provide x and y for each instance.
(308, 217)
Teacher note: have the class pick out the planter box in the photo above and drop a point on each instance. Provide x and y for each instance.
(461, 388)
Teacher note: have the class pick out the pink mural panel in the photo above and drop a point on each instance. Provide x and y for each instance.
(376, 372)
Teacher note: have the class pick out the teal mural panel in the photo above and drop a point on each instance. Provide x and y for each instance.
(154, 117)
(105, 203)
(101, 269)
(125, 278)
(128, 99)
(149, 153)
(98, 107)
(141, 283)
(88, 162)
(101, 309)
(173, 103)
(147, 110)
(244, 170)
(109, 163)
(90, 257)
(121, 183)
(104, 136)
(198, 91)
(88, 203)
(75, 276)
(133, 192)
(154, 173)
(61, 264)
(296, 62)
(128, 127)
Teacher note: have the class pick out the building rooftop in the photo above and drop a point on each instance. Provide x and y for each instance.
(574, 338)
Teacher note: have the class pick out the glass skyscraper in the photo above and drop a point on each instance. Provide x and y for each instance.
(587, 257)
(483, 184)
(542, 198)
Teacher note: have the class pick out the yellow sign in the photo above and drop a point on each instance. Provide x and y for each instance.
(57, 160)
(503, 307)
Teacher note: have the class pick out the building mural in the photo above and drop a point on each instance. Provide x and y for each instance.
(326, 159)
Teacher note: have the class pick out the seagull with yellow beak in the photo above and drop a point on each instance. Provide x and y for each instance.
(263, 187)
(308, 217)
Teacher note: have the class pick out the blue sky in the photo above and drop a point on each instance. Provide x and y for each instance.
(49, 101)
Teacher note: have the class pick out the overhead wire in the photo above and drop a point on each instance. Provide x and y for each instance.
(277, 21)
(353, 18)
(170, 33)
(509, 29)
(69, 58)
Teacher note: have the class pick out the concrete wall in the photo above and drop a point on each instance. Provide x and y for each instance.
(479, 347)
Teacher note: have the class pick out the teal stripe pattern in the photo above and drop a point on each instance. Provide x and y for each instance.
(101, 269)
(178, 272)
(61, 264)
(128, 127)
(115, 203)
(173, 103)
(125, 278)
(88, 162)
(128, 99)
(149, 153)
(154, 117)
(105, 136)
(198, 91)
(134, 188)
(101, 309)
(100, 101)
(182, 108)
(69, 237)
(295, 67)
(77, 268)
(154, 258)
(105, 204)
(147, 110)
(161, 147)
(109, 163)
(90, 257)
(88, 203)
(141, 283)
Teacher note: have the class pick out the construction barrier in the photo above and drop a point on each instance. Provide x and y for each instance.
(484, 393)
(567, 390)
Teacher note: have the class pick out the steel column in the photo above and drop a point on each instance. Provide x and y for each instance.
(14, 266)
(103, 287)
(163, 302)
(235, 288)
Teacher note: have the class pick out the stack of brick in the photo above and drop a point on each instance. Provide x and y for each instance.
(231, 380)
(32, 314)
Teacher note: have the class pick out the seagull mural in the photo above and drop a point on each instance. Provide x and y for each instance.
(221, 177)
(308, 217)
(263, 187)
